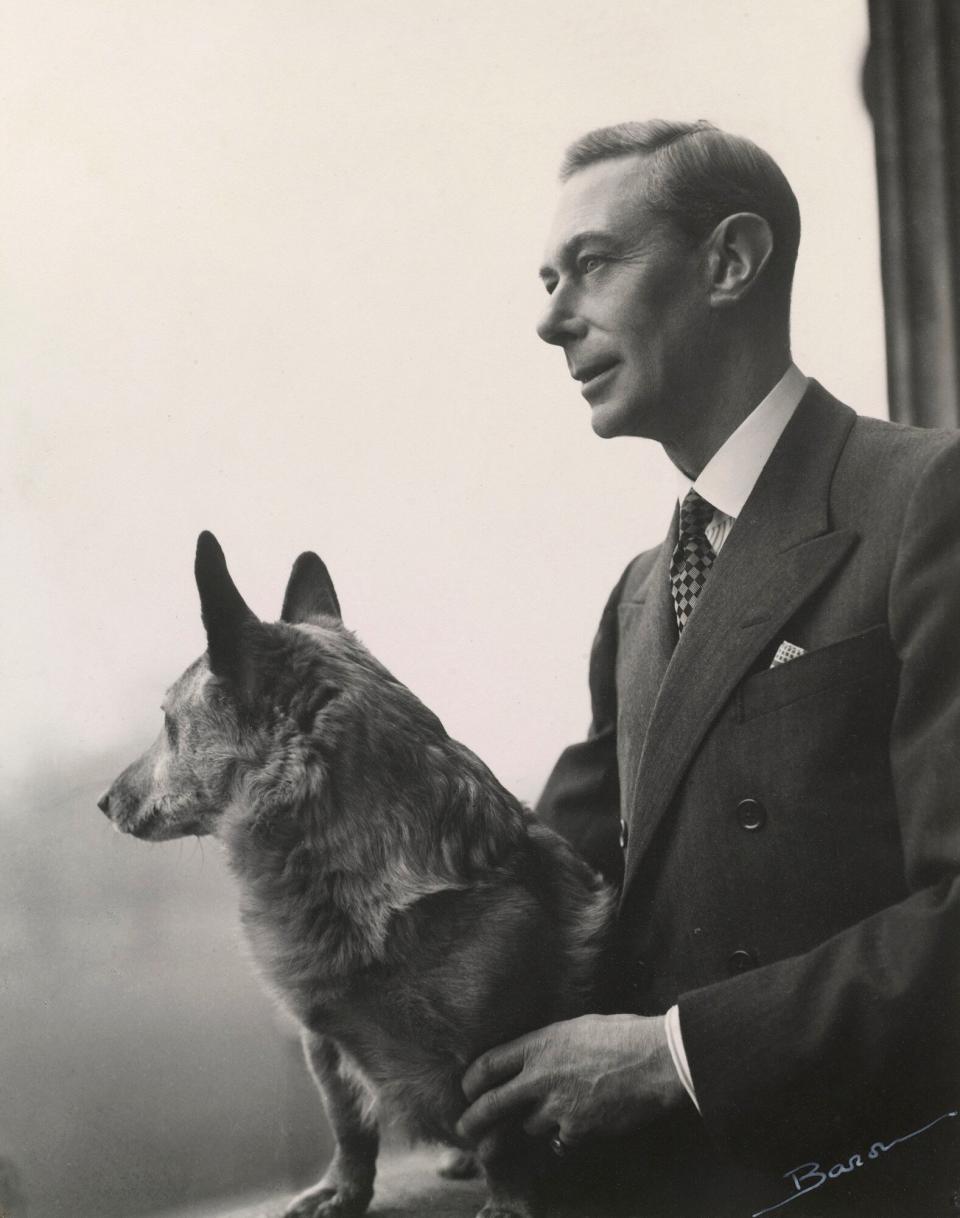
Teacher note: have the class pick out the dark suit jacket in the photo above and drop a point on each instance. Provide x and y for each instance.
(790, 875)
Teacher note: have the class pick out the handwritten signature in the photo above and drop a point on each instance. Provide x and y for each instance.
(810, 1176)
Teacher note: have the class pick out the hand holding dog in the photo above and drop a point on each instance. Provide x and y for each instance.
(594, 1076)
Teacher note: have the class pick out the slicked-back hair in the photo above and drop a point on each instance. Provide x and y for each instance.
(698, 175)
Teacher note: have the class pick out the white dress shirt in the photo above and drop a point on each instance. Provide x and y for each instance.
(726, 481)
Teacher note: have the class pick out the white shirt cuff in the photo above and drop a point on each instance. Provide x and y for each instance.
(671, 1023)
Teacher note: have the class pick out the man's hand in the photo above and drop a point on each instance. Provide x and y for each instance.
(594, 1076)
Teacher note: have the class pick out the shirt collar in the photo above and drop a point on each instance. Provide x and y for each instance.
(732, 472)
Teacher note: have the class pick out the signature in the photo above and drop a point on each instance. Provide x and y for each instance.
(810, 1176)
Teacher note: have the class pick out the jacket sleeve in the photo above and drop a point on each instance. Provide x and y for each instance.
(826, 1046)
(581, 800)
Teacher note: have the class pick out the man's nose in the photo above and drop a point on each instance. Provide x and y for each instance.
(103, 803)
(560, 322)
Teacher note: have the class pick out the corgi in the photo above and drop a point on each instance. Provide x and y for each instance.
(403, 906)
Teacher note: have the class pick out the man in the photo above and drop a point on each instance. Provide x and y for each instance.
(775, 733)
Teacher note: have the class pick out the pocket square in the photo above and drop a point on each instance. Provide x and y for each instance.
(786, 652)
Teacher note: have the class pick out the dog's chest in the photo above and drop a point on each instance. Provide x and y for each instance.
(293, 964)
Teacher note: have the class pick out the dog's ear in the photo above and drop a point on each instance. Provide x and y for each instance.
(224, 611)
(309, 593)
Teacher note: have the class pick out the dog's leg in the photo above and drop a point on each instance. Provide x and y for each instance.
(458, 1164)
(510, 1167)
(347, 1186)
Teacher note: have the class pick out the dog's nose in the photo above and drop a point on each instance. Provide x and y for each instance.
(103, 803)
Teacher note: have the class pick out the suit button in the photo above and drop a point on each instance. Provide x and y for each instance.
(624, 834)
(751, 814)
(742, 960)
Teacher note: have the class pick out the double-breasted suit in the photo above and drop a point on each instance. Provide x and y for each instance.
(788, 837)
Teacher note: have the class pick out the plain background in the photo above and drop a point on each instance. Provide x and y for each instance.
(269, 268)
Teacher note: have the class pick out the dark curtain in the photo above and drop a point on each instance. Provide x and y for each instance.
(913, 95)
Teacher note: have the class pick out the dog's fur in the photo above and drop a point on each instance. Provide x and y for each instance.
(405, 908)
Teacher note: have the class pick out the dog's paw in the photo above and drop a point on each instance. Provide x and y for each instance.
(327, 1200)
(458, 1165)
(518, 1208)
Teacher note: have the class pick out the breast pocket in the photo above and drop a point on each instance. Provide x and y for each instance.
(861, 660)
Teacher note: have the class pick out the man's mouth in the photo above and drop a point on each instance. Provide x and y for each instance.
(592, 374)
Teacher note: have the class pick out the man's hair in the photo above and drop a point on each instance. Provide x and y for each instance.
(698, 175)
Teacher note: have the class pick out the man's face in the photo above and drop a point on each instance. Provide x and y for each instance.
(628, 302)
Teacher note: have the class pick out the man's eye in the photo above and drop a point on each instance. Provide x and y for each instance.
(590, 262)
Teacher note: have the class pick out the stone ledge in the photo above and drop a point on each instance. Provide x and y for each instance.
(407, 1186)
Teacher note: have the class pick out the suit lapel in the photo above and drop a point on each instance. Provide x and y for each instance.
(647, 636)
(780, 550)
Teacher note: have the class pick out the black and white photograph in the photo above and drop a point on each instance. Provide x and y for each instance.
(481, 575)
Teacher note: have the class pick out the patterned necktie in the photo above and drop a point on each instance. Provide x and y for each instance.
(693, 556)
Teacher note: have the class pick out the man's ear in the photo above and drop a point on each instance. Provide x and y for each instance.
(738, 250)
(309, 593)
(224, 611)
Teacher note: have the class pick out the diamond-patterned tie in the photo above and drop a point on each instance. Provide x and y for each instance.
(693, 556)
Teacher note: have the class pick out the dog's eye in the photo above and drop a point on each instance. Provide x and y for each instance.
(171, 729)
